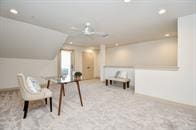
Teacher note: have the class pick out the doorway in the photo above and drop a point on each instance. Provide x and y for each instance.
(88, 65)
(66, 63)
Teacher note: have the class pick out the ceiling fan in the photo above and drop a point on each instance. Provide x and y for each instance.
(89, 31)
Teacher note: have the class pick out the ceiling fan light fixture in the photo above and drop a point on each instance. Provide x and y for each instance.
(162, 11)
(73, 28)
(89, 31)
(127, 1)
(167, 35)
(88, 23)
(13, 11)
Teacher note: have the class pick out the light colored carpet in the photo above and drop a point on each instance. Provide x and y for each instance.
(105, 108)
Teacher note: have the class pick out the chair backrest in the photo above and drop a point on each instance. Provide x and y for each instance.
(24, 89)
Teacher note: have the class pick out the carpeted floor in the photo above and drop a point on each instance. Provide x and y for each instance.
(105, 108)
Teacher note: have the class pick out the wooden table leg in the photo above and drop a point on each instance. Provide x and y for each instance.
(78, 86)
(63, 90)
(48, 84)
(60, 98)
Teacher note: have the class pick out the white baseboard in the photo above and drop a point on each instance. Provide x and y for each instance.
(17, 88)
(167, 101)
(9, 89)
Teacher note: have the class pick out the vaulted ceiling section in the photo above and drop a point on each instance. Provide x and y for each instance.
(125, 23)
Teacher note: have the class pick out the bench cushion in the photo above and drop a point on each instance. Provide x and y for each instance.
(119, 79)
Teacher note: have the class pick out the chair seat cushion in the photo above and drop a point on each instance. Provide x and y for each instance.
(33, 85)
(45, 93)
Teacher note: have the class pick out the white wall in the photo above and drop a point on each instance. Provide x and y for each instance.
(96, 63)
(9, 67)
(194, 61)
(102, 60)
(178, 86)
(152, 53)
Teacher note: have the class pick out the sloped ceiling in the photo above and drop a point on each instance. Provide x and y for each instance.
(22, 40)
(40, 27)
(125, 22)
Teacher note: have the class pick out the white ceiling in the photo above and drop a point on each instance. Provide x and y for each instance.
(125, 22)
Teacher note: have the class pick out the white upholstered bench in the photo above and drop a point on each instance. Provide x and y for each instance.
(120, 77)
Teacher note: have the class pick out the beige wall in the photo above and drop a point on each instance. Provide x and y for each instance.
(9, 67)
(153, 53)
(180, 85)
(78, 58)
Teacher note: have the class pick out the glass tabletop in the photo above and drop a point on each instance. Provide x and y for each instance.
(60, 79)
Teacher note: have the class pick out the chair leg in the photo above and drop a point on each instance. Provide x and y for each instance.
(26, 105)
(50, 104)
(46, 100)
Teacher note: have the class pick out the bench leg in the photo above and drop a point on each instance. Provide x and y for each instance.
(128, 84)
(106, 82)
(110, 82)
(124, 85)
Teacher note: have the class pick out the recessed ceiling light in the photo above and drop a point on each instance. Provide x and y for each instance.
(116, 44)
(167, 35)
(88, 23)
(73, 28)
(127, 1)
(13, 11)
(70, 42)
(162, 11)
(89, 51)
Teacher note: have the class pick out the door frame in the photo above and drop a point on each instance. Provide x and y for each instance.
(59, 60)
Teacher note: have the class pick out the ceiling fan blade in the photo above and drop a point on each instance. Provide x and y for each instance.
(101, 34)
(74, 28)
(79, 34)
